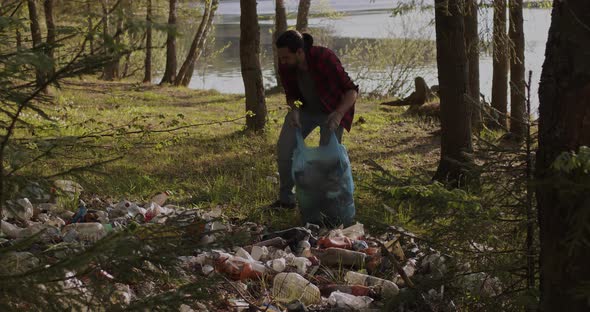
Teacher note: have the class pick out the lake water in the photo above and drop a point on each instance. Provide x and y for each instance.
(369, 19)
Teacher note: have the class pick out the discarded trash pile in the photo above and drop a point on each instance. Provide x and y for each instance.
(306, 268)
(298, 269)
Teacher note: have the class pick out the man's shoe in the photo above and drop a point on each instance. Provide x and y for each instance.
(282, 205)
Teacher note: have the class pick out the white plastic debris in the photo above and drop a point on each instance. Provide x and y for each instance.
(22, 209)
(301, 263)
(278, 265)
(259, 253)
(207, 269)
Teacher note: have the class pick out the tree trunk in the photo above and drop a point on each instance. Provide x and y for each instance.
(517, 84)
(455, 114)
(500, 63)
(34, 20)
(117, 57)
(280, 27)
(126, 65)
(250, 64)
(147, 77)
(19, 39)
(90, 26)
(302, 14)
(564, 125)
(197, 45)
(36, 36)
(472, 46)
(48, 7)
(186, 80)
(109, 68)
(171, 63)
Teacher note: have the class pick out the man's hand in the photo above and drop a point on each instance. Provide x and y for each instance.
(334, 119)
(294, 118)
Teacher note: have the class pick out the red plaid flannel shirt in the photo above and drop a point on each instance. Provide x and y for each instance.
(331, 81)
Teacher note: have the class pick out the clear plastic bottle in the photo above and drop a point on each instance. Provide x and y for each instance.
(239, 268)
(160, 198)
(350, 302)
(288, 287)
(354, 232)
(91, 231)
(355, 290)
(338, 256)
(386, 288)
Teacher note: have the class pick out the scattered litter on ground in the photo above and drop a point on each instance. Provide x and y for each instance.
(305, 268)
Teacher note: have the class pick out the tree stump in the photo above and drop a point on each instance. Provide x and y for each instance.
(418, 100)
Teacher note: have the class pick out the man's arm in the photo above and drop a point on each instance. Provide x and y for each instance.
(347, 102)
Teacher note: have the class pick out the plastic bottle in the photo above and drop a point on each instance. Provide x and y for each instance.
(338, 242)
(274, 242)
(92, 231)
(346, 301)
(288, 287)
(339, 256)
(238, 268)
(354, 232)
(13, 231)
(242, 253)
(160, 198)
(356, 290)
(385, 288)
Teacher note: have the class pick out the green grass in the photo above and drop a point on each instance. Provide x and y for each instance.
(220, 164)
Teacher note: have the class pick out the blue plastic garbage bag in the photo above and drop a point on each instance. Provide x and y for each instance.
(323, 183)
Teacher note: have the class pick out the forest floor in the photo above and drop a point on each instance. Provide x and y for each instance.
(209, 160)
(123, 142)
